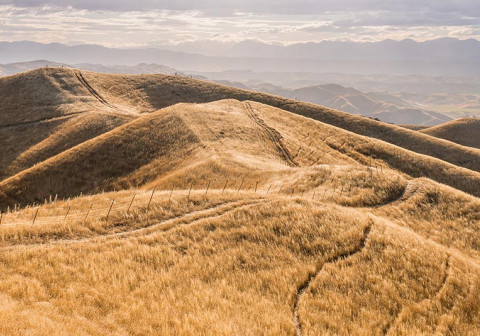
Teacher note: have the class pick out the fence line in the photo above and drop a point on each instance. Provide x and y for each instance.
(52, 214)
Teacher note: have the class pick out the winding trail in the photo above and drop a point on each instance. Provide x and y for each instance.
(214, 212)
(413, 187)
(442, 326)
(438, 292)
(312, 276)
(92, 91)
(272, 134)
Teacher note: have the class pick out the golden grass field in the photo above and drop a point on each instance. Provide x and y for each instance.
(162, 205)
(463, 131)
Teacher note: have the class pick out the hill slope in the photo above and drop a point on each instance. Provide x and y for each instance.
(135, 94)
(227, 216)
(220, 140)
(27, 144)
(153, 92)
(207, 265)
(125, 98)
(464, 131)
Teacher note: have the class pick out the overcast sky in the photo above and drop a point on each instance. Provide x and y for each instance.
(124, 23)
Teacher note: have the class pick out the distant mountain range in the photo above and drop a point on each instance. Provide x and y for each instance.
(375, 82)
(381, 106)
(388, 50)
(442, 57)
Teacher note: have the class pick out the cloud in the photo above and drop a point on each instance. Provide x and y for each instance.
(414, 19)
(139, 22)
(291, 7)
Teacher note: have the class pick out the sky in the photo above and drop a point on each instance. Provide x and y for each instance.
(139, 23)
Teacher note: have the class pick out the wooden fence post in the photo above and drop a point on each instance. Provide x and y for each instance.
(111, 206)
(256, 186)
(131, 202)
(35, 217)
(151, 197)
(208, 186)
(269, 189)
(323, 198)
(241, 183)
(68, 210)
(224, 186)
(313, 196)
(171, 192)
(91, 205)
(191, 186)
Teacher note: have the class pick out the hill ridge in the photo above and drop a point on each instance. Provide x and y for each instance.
(165, 90)
(464, 131)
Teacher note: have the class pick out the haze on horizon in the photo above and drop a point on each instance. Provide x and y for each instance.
(122, 23)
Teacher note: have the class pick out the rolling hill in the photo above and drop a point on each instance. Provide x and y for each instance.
(129, 96)
(401, 108)
(142, 68)
(465, 131)
(156, 204)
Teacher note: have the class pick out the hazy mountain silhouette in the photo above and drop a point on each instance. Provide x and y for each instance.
(439, 49)
(437, 57)
(385, 107)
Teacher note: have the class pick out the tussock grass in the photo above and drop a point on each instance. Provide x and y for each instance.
(373, 293)
(28, 145)
(262, 221)
(217, 141)
(315, 136)
(88, 167)
(443, 214)
(133, 94)
(159, 91)
(235, 272)
(463, 131)
(111, 214)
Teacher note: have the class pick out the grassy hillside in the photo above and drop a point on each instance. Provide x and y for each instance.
(464, 131)
(244, 262)
(152, 204)
(225, 140)
(414, 127)
(28, 144)
(69, 90)
(152, 92)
